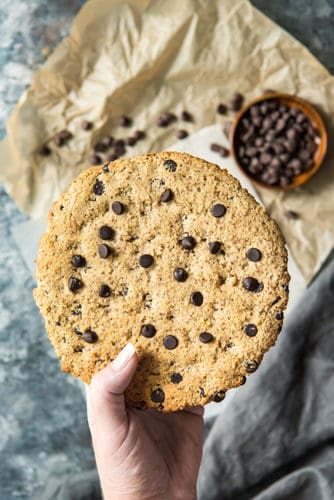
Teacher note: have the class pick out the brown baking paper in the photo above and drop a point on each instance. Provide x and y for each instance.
(140, 58)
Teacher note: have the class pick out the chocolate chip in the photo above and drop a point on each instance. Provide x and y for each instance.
(250, 366)
(180, 274)
(100, 147)
(104, 251)
(62, 137)
(218, 396)
(181, 134)
(95, 159)
(105, 168)
(253, 254)
(104, 291)
(206, 337)
(120, 149)
(176, 378)
(222, 109)
(117, 207)
(145, 260)
(218, 210)
(236, 102)
(214, 247)
(167, 195)
(170, 342)
(196, 298)
(215, 147)
(250, 330)
(148, 331)
(186, 116)
(251, 284)
(201, 392)
(279, 315)
(44, 150)
(113, 157)
(158, 396)
(86, 125)
(290, 214)
(98, 187)
(188, 242)
(131, 141)
(139, 135)
(125, 121)
(74, 284)
(78, 260)
(90, 336)
(170, 165)
(105, 233)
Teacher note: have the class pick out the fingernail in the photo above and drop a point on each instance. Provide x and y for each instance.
(123, 357)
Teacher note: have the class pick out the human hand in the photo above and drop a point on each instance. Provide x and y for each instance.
(141, 454)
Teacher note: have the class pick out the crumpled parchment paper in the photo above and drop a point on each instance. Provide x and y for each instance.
(143, 57)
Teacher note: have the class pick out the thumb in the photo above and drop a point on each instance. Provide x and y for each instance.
(106, 410)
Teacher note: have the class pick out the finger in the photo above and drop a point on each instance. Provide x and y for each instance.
(105, 396)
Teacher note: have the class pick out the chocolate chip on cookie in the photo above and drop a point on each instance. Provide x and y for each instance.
(196, 298)
(170, 342)
(167, 195)
(106, 233)
(253, 254)
(250, 330)
(170, 165)
(78, 260)
(90, 336)
(158, 396)
(104, 251)
(188, 242)
(206, 337)
(218, 210)
(74, 284)
(180, 274)
(117, 207)
(176, 378)
(98, 187)
(148, 331)
(145, 260)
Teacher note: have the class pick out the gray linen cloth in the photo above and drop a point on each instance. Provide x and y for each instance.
(274, 439)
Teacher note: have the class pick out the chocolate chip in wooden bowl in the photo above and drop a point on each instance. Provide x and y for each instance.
(158, 396)
(218, 396)
(188, 243)
(44, 150)
(117, 207)
(186, 116)
(170, 165)
(214, 247)
(180, 274)
(170, 342)
(250, 366)
(78, 260)
(166, 196)
(74, 284)
(104, 291)
(176, 378)
(196, 298)
(145, 261)
(90, 336)
(98, 187)
(148, 331)
(95, 159)
(125, 121)
(253, 254)
(218, 210)
(182, 134)
(86, 125)
(106, 233)
(250, 330)
(104, 251)
(205, 337)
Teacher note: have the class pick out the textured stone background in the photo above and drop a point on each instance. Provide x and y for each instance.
(42, 413)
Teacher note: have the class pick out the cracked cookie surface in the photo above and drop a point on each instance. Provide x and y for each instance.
(166, 251)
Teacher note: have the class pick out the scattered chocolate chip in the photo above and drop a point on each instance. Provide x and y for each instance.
(186, 116)
(188, 242)
(214, 247)
(158, 396)
(253, 254)
(290, 214)
(218, 148)
(250, 330)
(236, 102)
(279, 315)
(170, 165)
(104, 251)
(131, 141)
(139, 135)
(107, 141)
(196, 298)
(167, 195)
(44, 150)
(176, 378)
(148, 331)
(90, 336)
(74, 284)
(222, 109)
(170, 342)
(166, 119)
(95, 159)
(145, 260)
(125, 121)
(98, 187)
(117, 207)
(105, 233)
(250, 284)
(218, 396)
(62, 137)
(100, 147)
(86, 125)
(119, 149)
(78, 260)
(104, 291)
(206, 337)
(113, 157)
(181, 134)
(180, 274)
(250, 366)
(218, 210)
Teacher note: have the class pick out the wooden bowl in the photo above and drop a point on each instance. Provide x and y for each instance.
(293, 102)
